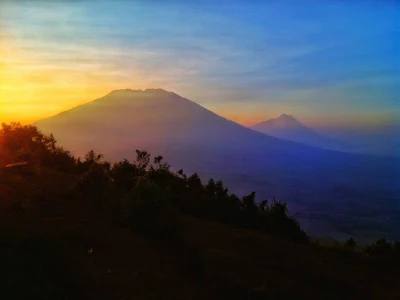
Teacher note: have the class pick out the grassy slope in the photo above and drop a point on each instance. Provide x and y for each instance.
(45, 256)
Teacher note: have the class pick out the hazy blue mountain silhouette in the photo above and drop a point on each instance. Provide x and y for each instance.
(288, 128)
(375, 141)
(330, 190)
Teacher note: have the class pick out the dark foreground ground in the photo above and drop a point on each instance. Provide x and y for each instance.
(79, 253)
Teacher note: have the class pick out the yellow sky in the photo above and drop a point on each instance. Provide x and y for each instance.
(35, 85)
(55, 56)
(32, 89)
(40, 78)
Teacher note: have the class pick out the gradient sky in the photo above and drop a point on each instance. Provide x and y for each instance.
(329, 63)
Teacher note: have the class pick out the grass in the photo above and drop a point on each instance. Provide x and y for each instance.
(46, 257)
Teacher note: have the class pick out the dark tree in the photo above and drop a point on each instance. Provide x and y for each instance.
(350, 243)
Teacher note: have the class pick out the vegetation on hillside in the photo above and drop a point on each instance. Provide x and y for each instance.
(145, 192)
(147, 197)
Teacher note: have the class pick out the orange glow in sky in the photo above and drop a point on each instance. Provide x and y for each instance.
(32, 88)
(55, 56)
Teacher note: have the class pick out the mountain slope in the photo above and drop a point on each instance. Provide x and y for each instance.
(158, 121)
(326, 187)
(288, 128)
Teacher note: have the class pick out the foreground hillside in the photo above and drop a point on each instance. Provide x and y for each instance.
(51, 258)
(83, 229)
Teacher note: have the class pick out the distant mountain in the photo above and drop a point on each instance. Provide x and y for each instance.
(288, 128)
(374, 141)
(330, 190)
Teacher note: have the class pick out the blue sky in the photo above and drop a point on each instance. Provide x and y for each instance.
(326, 62)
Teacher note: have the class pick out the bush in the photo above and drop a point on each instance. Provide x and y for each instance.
(350, 243)
(147, 210)
(123, 175)
(396, 248)
(380, 249)
(94, 184)
(274, 219)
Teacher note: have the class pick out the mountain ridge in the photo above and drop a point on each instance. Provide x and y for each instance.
(128, 92)
(196, 139)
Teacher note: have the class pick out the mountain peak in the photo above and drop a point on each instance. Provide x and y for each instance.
(126, 91)
(120, 91)
(284, 121)
(158, 90)
(288, 128)
(286, 116)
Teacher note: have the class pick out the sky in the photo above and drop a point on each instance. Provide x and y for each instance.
(328, 63)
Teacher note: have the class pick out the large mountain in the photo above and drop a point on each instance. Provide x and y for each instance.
(288, 128)
(331, 191)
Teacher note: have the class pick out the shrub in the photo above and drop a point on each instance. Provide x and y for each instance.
(396, 248)
(123, 175)
(350, 243)
(148, 211)
(381, 249)
(274, 219)
(94, 184)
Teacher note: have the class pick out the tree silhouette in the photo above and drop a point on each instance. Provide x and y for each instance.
(381, 249)
(142, 160)
(350, 243)
(145, 185)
